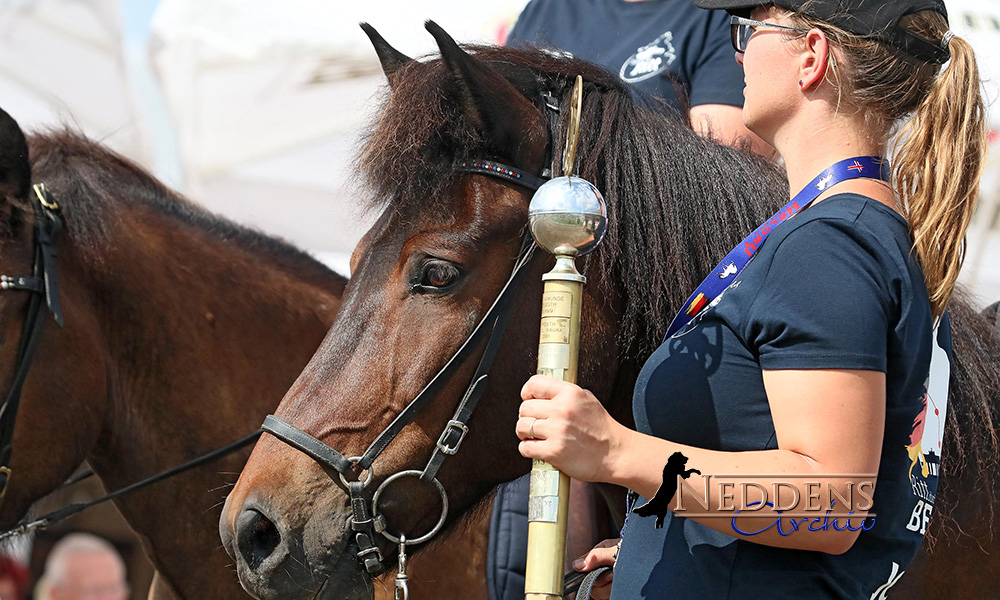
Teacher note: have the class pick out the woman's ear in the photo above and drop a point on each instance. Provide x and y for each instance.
(815, 59)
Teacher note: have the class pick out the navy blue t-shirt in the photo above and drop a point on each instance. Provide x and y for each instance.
(655, 45)
(835, 287)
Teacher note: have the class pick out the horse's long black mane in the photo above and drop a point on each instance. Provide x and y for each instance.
(669, 192)
(672, 216)
(96, 188)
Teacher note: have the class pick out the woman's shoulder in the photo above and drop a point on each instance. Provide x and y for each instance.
(856, 209)
(844, 240)
(847, 223)
(827, 279)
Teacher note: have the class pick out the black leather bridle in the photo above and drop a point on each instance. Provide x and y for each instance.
(366, 522)
(43, 284)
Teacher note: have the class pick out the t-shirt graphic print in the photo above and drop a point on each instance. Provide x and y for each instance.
(650, 60)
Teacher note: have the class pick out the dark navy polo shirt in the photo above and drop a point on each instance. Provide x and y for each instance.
(835, 287)
(656, 45)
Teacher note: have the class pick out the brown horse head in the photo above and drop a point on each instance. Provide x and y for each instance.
(429, 269)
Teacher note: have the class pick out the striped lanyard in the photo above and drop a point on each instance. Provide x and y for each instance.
(872, 167)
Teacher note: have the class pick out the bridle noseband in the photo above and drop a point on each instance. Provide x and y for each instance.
(44, 282)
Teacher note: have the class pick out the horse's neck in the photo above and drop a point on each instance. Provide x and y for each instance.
(199, 329)
(202, 337)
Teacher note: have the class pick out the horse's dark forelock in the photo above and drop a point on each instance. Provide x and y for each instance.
(669, 192)
(96, 187)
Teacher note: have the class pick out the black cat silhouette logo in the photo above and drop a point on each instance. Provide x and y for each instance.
(660, 502)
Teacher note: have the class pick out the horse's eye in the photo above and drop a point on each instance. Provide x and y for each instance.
(438, 275)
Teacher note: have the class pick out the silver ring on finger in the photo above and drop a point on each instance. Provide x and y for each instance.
(531, 428)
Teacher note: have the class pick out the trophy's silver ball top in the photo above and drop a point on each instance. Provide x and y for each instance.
(567, 215)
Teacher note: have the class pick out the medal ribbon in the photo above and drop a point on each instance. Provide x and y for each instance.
(871, 167)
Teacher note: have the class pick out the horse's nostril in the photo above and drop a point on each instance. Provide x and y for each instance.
(256, 537)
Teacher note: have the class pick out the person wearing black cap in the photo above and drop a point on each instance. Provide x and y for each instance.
(825, 361)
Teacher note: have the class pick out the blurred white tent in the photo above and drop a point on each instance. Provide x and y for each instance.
(978, 21)
(252, 106)
(244, 79)
(61, 61)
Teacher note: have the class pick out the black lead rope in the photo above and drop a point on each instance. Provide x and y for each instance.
(74, 509)
(582, 583)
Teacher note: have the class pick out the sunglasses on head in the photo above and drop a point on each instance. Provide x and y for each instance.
(743, 28)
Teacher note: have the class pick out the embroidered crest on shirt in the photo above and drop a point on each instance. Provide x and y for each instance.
(650, 60)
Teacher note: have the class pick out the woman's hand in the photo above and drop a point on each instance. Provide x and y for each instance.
(565, 425)
(603, 555)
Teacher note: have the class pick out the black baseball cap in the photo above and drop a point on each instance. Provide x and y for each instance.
(877, 19)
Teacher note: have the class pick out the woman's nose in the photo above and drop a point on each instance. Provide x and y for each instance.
(739, 58)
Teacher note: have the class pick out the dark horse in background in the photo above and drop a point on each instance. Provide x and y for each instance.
(441, 251)
(182, 331)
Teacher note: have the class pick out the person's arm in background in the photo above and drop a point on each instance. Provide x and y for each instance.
(724, 124)
(716, 90)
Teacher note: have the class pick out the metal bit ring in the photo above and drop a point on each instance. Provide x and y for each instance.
(437, 526)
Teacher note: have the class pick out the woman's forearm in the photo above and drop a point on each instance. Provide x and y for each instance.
(567, 426)
(738, 481)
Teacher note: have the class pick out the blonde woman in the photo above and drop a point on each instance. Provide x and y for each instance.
(825, 360)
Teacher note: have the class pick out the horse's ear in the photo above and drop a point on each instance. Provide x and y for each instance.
(512, 123)
(390, 58)
(15, 171)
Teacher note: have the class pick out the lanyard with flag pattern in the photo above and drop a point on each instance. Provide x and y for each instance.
(872, 167)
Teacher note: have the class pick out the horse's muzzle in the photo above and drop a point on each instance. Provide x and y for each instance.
(276, 561)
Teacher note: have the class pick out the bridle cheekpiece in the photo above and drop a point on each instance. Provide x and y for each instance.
(43, 283)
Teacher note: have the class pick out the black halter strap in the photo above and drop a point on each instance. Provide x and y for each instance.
(493, 322)
(43, 283)
(364, 523)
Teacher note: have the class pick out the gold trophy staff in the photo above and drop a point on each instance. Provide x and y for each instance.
(568, 218)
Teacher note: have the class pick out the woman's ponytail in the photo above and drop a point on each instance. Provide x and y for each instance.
(938, 162)
(937, 168)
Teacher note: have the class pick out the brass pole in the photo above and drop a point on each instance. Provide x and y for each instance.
(548, 505)
(567, 219)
